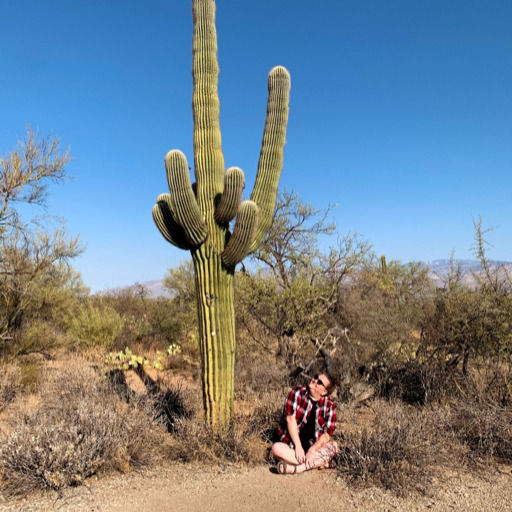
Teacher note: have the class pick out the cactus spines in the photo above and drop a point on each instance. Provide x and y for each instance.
(240, 241)
(198, 218)
(234, 183)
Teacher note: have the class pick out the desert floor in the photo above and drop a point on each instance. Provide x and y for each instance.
(187, 488)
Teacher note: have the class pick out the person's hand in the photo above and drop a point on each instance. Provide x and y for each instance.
(310, 459)
(299, 454)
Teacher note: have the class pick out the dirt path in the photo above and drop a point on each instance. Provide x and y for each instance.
(188, 489)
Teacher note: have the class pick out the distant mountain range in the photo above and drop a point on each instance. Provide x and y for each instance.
(156, 289)
(438, 271)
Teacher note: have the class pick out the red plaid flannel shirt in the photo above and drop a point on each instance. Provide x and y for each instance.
(299, 404)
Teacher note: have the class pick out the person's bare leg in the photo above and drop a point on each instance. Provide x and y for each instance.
(324, 456)
(322, 459)
(281, 451)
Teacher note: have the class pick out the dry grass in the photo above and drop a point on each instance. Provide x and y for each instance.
(82, 425)
(30, 373)
(396, 448)
(79, 428)
(9, 384)
(259, 398)
(194, 441)
(484, 427)
(247, 440)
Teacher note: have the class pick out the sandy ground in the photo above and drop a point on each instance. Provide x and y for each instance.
(186, 488)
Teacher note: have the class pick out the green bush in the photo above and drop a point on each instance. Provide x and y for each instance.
(38, 336)
(151, 323)
(96, 325)
(38, 320)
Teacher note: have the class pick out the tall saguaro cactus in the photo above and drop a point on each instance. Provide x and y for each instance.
(197, 217)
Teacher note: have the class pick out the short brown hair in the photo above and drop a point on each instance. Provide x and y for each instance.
(333, 382)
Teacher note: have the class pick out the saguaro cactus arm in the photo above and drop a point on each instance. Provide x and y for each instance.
(166, 223)
(183, 201)
(234, 183)
(271, 156)
(240, 241)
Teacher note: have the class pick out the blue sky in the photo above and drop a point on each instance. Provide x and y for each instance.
(400, 113)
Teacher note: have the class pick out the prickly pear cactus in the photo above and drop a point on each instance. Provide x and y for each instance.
(196, 217)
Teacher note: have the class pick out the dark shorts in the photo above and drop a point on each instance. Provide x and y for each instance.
(306, 443)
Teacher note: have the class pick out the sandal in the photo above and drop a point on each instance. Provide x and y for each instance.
(282, 468)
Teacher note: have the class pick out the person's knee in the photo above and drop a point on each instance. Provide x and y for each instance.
(278, 449)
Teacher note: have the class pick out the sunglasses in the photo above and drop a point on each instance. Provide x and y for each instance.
(319, 381)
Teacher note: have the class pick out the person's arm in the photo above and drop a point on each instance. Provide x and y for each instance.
(317, 445)
(293, 430)
(320, 442)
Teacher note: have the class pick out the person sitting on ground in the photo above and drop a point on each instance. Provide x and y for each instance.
(305, 432)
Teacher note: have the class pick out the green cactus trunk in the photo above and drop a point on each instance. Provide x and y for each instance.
(216, 315)
(197, 218)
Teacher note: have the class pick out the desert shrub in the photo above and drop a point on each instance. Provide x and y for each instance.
(195, 441)
(259, 374)
(411, 382)
(246, 441)
(496, 382)
(36, 317)
(172, 405)
(469, 326)
(261, 386)
(396, 450)
(267, 414)
(35, 250)
(384, 309)
(9, 385)
(180, 284)
(483, 426)
(38, 337)
(137, 311)
(30, 372)
(79, 428)
(167, 326)
(292, 297)
(96, 325)
(152, 323)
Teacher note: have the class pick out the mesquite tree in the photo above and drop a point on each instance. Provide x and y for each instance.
(197, 217)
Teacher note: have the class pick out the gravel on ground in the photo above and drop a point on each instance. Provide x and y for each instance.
(188, 488)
